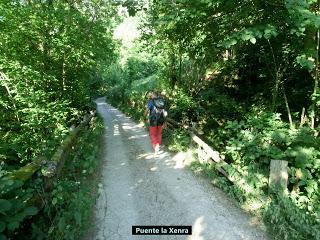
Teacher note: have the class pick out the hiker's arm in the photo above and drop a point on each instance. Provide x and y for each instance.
(146, 112)
(164, 125)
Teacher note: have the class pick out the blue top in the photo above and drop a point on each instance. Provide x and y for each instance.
(150, 105)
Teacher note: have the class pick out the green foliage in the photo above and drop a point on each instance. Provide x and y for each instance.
(176, 140)
(183, 107)
(218, 106)
(289, 222)
(14, 207)
(52, 54)
(209, 171)
(68, 207)
(136, 69)
(32, 113)
(248, 145)
(238, 70)
(128, 85)
(70, 204)
(49, 51)
(252, 143)
(254, 139)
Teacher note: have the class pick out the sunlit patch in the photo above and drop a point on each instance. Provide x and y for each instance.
(197, 229)
(145, 156)
(138, 136)
(137, 184)
(150, 156)
(101, 103)
(179, 159)
(122, 164)
(253, 205)
(126, 127)
(128, 30)
(255, 221)
(153, 169)
(284, 175)
(129, 194)
(142, 156)
(130, 127)
(116, 130)
(161, 156)
(245, 186)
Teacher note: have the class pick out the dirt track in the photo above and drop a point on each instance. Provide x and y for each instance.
(140, 189)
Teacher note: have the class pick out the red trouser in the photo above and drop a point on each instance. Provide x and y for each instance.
(156, 135)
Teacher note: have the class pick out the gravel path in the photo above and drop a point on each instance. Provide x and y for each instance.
(140, 189)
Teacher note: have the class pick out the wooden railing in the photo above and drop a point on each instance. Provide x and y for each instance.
(51, 169)
(278, 176)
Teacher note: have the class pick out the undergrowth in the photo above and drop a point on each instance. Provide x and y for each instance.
(248, 137)
(248, 142)
(69, 206)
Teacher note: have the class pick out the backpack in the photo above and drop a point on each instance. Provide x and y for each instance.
(158, 114)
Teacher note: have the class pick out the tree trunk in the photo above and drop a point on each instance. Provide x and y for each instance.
(180, 66)
(287, 106)
(4, 78)
(277, 76)
(316, 80)
(63, 75)
(303, 118)
(316, 74)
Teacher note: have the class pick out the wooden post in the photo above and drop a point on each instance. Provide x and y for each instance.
(278, 178)
(303, 118)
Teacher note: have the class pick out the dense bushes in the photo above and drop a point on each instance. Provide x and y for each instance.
(63, 212)
(51, 56)
(15, 207)
(287, 221)
(69, 206)
(248, 140)
(250, 144)
(247, 74)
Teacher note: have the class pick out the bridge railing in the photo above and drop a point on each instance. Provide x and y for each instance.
(51, 169)
(278, 176)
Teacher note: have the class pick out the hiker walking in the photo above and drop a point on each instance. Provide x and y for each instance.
(157, 114)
